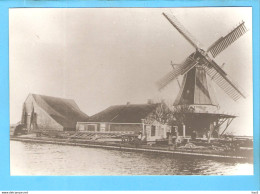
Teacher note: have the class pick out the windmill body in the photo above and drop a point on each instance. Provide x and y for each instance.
(196, 89)
(196, 92)
(199, 70)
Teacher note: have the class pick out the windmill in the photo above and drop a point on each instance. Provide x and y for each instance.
(199, 70)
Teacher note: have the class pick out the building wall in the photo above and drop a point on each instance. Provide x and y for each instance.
(152, 132)
(41, 119)
(156, 131)
(87, 126)
(135, 128)
(109, 127)
(44, 121)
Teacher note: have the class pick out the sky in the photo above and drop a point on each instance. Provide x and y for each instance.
(106, 56)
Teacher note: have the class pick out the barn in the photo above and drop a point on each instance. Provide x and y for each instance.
(51, 113)
(125, 119)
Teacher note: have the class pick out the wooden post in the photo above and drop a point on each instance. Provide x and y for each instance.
(211, 128)
(108, 126)
(143, 131)
(183, 130)
(177, 137)
(170, 142)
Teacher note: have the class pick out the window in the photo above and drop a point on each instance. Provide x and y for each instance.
(153, 130)
(81, 127)
(91, 127)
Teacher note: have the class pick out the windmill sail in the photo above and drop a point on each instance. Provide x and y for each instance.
(179, 70)
(173, 20)
(200, 57)
(222, 43)
(223, 81)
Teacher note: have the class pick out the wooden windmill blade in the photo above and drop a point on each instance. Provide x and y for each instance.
(224, 81)
(179, 70)
(183, 31)
(174, 66)
(223, 42)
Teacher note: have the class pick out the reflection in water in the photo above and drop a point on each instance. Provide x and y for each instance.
(50, 159)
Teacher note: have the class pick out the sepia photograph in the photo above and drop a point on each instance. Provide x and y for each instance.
(131, 91)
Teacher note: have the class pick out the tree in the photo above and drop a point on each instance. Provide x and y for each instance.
(162, 114)
(171, 116)
(181, 114)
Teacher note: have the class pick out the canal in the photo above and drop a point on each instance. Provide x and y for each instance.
(51, 159)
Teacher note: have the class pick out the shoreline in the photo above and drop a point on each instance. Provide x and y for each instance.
(122, 147)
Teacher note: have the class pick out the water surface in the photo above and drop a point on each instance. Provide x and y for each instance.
(51, 159)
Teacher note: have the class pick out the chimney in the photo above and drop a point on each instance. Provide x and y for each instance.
(127, 103)
(149, 101)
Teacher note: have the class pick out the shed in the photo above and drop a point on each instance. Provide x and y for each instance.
(51, 113)
(124, 119)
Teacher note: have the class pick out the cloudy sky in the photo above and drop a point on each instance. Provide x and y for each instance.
(106, 56)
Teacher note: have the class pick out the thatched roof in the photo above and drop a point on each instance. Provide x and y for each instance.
(130, 113)
(64, 111)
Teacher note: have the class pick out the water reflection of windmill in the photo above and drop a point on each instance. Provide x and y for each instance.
(199, 70)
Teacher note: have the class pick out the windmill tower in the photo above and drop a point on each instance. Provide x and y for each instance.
(199, 70)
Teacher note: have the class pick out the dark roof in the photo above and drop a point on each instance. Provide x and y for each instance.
(64, 111)
(131, 113)
(196, 89)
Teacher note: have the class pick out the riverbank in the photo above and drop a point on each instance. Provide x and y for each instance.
(181, 151)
